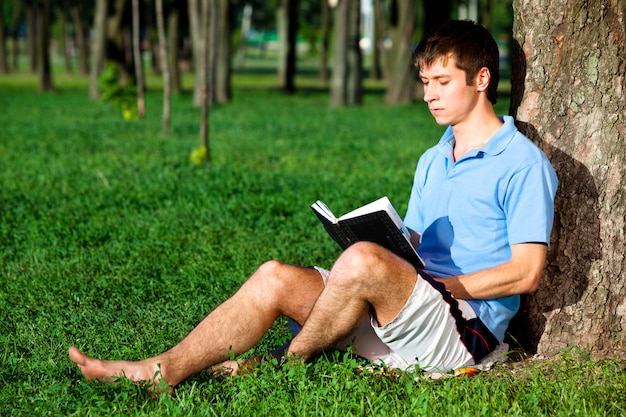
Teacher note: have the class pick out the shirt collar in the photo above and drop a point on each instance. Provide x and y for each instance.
(496, 145)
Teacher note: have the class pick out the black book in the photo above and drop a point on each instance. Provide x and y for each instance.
(376, 222)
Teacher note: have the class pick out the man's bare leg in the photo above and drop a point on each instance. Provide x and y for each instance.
(365, 279)
(233, 327)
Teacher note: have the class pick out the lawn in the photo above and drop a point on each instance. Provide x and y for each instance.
(111, 239)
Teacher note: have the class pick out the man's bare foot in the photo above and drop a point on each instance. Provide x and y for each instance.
(109, 371)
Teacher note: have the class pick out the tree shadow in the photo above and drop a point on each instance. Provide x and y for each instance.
(575, 241)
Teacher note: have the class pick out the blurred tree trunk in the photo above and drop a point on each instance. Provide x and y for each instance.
(15, 23)
(197, 46)
(222, 46)
(98, 46)
(136, 43)
(346, 86)
(173, 29)
(218, 56)
(165, 67)
(204, 58)
(43, 46)
(63, 36)
(81, 40)
(401, 82)
(287, 22)
(246, 21)
(377, 41)
(325, 32)
(31, 35)
(4, 67)
(568, 94)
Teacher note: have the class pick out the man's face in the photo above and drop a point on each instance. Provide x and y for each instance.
(450, 100)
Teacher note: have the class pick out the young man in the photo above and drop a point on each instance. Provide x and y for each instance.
(481, 211)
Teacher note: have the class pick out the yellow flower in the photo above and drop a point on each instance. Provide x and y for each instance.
(199, 155)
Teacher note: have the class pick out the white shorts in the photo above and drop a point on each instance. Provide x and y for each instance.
(433, 332)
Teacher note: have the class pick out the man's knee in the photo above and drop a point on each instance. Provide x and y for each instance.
(359, 261)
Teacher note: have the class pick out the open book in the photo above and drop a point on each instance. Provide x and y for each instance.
(376, 222)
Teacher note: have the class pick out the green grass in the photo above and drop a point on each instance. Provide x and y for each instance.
(112, 240)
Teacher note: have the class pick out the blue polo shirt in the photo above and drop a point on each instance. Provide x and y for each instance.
(470, 211)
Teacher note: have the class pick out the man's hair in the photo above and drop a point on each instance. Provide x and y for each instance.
(471, 46)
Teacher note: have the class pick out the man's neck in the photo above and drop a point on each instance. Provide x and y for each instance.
(475, 133)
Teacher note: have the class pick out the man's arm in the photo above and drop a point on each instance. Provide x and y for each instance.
(519, 275)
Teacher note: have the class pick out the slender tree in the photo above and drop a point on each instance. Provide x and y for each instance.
(401, 82)
(206, 33)
(165, 67)
(15, 22)
(81, 40)
(98, 46)
(43, 46)
(136, 42)
(568, 90)
(346, 85)
(325, 35)
(4, 66)
(173, 29)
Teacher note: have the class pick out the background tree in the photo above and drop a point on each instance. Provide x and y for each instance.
(287, 23)
(4, 66)
(15, 22)
(569, 93)
(347, 79)
(401, 81)
(98, 46)
(81, 38)
(43, 16)
(165, 66)
(136, 43)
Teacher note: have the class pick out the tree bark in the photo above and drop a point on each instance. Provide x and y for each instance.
(136, 44)
(31, 35)
(401, 84)
(173, 28)
(222, 47)
(15, 22)
(98, 47)
(165, 67)
(4, 67)
(81, 41)
(64, 46)
(346, 85)
(569, 95)
(43, 46)
(325, 31)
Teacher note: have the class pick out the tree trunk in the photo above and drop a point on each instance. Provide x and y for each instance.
(31, 38)
(287, 24)
(206, 34)
(81, 41)
(401, 83)
(165, 67)
(15, 22)
(346, 85)
(325, 30)
(173, 28)
(98, 46)
(223, 49)
(136, 42)
(377, 41)
(64, 45)
(4, 67)
(568, 92)
(197, 46)
(43, 46)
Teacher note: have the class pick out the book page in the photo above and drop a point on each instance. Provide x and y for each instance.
(323, 209)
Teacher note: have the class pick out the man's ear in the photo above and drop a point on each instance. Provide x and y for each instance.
(483, 78)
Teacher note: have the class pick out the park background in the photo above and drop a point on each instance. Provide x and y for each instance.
(118, 233)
